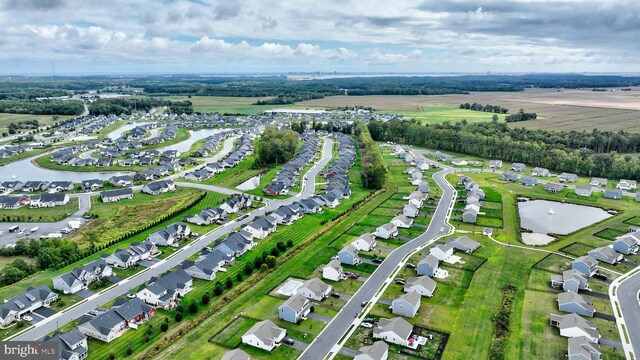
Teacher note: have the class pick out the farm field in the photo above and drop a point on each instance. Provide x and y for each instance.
(581, 110)
(7, 118)
(224, 104)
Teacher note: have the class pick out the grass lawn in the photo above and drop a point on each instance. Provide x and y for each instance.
(231, 335)
(43, 120)
(226, 105)
(51, 214)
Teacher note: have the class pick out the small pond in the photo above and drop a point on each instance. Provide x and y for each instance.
(551, 217)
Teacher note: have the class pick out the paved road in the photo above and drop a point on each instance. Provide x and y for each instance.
(332, 333)
(627, 294)
(48, 325)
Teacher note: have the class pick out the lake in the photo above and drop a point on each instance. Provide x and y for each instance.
(566, 218)
(196, 135)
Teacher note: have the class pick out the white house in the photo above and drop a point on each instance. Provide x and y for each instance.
(396, 331)
(402, 221)
(387, 231)
(442, 252)
(333, 271)
(365, 242)
(264, 335)
(314, 289)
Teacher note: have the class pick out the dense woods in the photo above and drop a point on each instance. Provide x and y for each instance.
(125, 106)
(520, 116)
(283, 100)
(42, 107)
(276, 146)
(589, 154)
(372, 169)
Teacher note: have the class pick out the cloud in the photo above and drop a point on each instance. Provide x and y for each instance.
(403, 35)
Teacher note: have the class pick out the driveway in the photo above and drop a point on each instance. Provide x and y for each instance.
(318, 317)
(148, 263)
(384, 302)
(84, 293)
(594, 294)
(298, 345)
(604, 316)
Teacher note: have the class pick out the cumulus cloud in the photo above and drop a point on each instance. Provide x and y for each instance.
(403, 35)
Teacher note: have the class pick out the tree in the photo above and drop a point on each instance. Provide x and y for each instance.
(289, 243)
(248, 268)
(217, 290)
(165, 325)
(274, 252)
(264, 267)
(229, 283)
(112, 356)
(193, 307)
(206, 298)
(494, 118)
(271, 262)
(178, 317)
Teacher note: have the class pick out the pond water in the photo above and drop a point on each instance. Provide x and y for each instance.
(196, 135)
(25, 170)
(551, 217)
(126, 127)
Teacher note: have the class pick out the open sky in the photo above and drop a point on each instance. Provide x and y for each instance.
(232, 36)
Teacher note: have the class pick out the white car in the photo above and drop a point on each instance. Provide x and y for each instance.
(27, 318)
(366, 325)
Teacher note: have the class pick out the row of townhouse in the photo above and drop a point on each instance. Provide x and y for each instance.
(34, 201)
(219, 213)
(245, 148)
(81, 277)
(212, 142)
(35, 186)
(472, 201)
(286, 177)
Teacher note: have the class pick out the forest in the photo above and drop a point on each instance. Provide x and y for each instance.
(42, 107)
(126, 106)
(276, 146)
(485, 108)
(589, 154)
(372, 168)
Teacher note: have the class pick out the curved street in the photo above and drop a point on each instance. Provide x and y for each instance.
(627, 294)
(325, 344)
(50, 324)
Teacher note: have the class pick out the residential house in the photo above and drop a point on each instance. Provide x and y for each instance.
(568, 177)
(406, 305)
(587, 265)
(428, 266)
(72, 345)
(349, 255)
(158, 187)
(333, 271)
(470, 215)
(518, 167)
(423, 187)
(60, 186)
(583, 190)
(600, 182)
(396, 331)
(553, 188)
(365, 242)
(264, 335)
(573, 325)
(17, 307)
(626, 185)
(114, 322)
(509, 176)
(131, 255)
(402, 221)
(116, 195)
(260, 227)
(165, 290)
(570, 280)
(92, 184)
(48, 200)
(207, 266)
(464, 243)
(423, 285)
(121, 181)
(625, 245)
(314, 289)
(379, 350)
(295, 309)
(81, 277)
(13, 202)
(615, 194)
(572, 302)
(528, 181)
(387, 231)
(495, 164)
(580, 348)
(442, 251)
(410, 211)
(236, 354)
(538, 171)
(606, 254)
(31, 186)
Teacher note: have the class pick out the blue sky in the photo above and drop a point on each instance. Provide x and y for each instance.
(249, 36)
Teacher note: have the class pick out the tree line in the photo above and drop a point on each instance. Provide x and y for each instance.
(276, 146)
(289, 99)
(486, 108)
(126, 106)
(42, 107)
(372, 169)
(589, 154)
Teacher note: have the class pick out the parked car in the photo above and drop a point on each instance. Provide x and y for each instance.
(364, 303)
(194, 235)
(353, 276)
(410, 265)
(27, 318)
(377, 261)
(366, 325)
(334, 294)
(175, 245)
(288, 341)
(243, 217)
(131, 295)
(369, 320)
(65, 230)
(399, 281)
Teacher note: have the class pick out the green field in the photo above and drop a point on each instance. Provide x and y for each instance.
(6, 119)
(226, 105)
